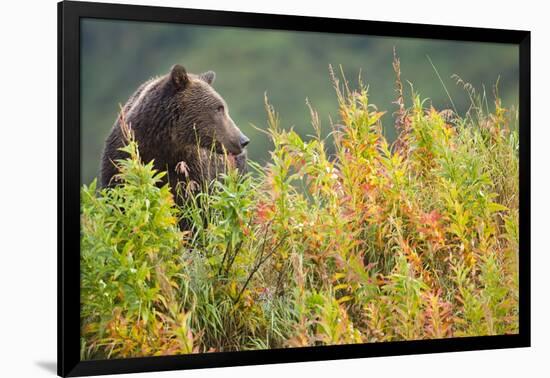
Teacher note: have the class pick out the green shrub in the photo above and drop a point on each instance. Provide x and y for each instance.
(131, 264)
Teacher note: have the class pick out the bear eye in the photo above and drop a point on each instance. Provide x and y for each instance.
(220, 109)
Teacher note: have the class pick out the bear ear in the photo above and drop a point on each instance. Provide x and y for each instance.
(208, 76)
(179, 77)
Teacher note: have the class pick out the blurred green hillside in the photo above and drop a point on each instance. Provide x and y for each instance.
(116, 57)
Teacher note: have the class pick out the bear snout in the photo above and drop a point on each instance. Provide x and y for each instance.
(238, 143)
(244, 140)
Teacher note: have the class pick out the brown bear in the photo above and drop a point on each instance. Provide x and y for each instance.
(181, 123)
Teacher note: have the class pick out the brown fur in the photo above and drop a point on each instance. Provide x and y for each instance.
(178, 117)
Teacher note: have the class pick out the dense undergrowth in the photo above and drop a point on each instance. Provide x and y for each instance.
(413, 240)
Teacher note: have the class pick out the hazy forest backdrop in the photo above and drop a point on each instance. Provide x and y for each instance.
(116, 57)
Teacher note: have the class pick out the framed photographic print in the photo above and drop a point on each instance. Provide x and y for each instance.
(239, 188)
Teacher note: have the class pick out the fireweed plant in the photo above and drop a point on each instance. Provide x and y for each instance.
(417, 239)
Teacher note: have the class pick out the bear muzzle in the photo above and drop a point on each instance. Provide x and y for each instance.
(237, 147)
(244, 140)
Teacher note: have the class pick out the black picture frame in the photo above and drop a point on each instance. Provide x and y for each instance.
(69, 15)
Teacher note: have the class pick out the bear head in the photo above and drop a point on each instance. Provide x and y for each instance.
(200, 116)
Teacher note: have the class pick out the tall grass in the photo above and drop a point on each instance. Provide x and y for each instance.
(411, 240)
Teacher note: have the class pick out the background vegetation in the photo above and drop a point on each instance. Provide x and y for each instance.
(409, 240)
(116, 57)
